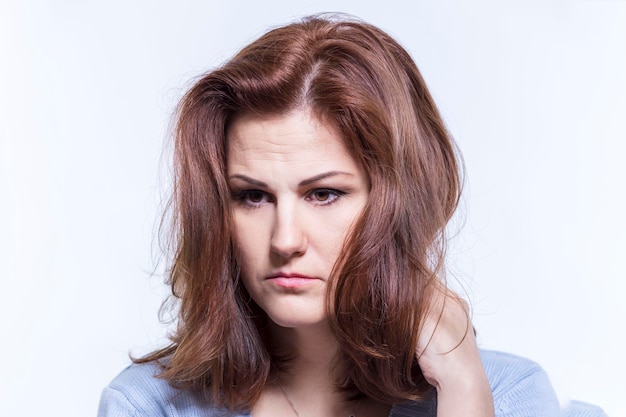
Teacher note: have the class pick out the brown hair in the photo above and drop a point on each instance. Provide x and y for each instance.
(356, 77)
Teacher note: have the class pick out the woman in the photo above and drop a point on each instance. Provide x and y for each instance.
(314, 179)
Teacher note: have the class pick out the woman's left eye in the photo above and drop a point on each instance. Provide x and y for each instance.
(324, 196)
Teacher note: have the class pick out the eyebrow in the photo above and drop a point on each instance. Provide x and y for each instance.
(302, 183)
(249, 180)
(321, 177)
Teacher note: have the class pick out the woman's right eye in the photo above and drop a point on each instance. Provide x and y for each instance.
(253, 198)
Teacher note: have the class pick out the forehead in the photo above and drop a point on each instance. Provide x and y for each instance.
(295, 136)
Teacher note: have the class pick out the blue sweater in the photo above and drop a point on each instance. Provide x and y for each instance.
(520, 389)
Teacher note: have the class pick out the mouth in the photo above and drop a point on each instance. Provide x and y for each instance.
(290, 280)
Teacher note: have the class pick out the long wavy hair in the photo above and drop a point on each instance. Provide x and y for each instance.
(356, 77)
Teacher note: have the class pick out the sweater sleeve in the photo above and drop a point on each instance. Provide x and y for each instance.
(114, 403)
(138, 392)
(520, 387)
(581, 409)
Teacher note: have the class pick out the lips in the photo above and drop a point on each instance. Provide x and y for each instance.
(291, 280)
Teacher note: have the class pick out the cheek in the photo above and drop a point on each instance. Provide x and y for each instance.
(333, 234)
(249, 237)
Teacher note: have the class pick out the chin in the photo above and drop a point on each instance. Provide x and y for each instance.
(296, 321)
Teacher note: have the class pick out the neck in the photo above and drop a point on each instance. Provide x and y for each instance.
(313, 349)
(308, 386)
(310, 382)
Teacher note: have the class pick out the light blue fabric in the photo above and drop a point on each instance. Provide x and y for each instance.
(520, 389)
(580, 409)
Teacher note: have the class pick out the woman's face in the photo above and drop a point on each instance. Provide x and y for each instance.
(296, 190)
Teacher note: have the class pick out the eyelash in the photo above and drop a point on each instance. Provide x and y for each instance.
(243, 197)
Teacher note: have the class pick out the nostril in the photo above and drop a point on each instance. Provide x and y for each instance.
(288, 237)
(288, 243)
(288, 248)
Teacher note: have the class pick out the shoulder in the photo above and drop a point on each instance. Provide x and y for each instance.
(138, 392)
(520, 386)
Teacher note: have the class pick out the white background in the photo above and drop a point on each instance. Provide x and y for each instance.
(534, 92)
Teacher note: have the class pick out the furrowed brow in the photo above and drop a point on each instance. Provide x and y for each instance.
(249, 180)
(321, 177)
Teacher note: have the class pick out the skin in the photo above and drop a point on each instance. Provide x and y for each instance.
(450, 360)
(296, 191)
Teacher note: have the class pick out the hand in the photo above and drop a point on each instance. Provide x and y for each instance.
(450, 361)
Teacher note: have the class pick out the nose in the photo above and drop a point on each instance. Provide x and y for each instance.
(288, 235)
